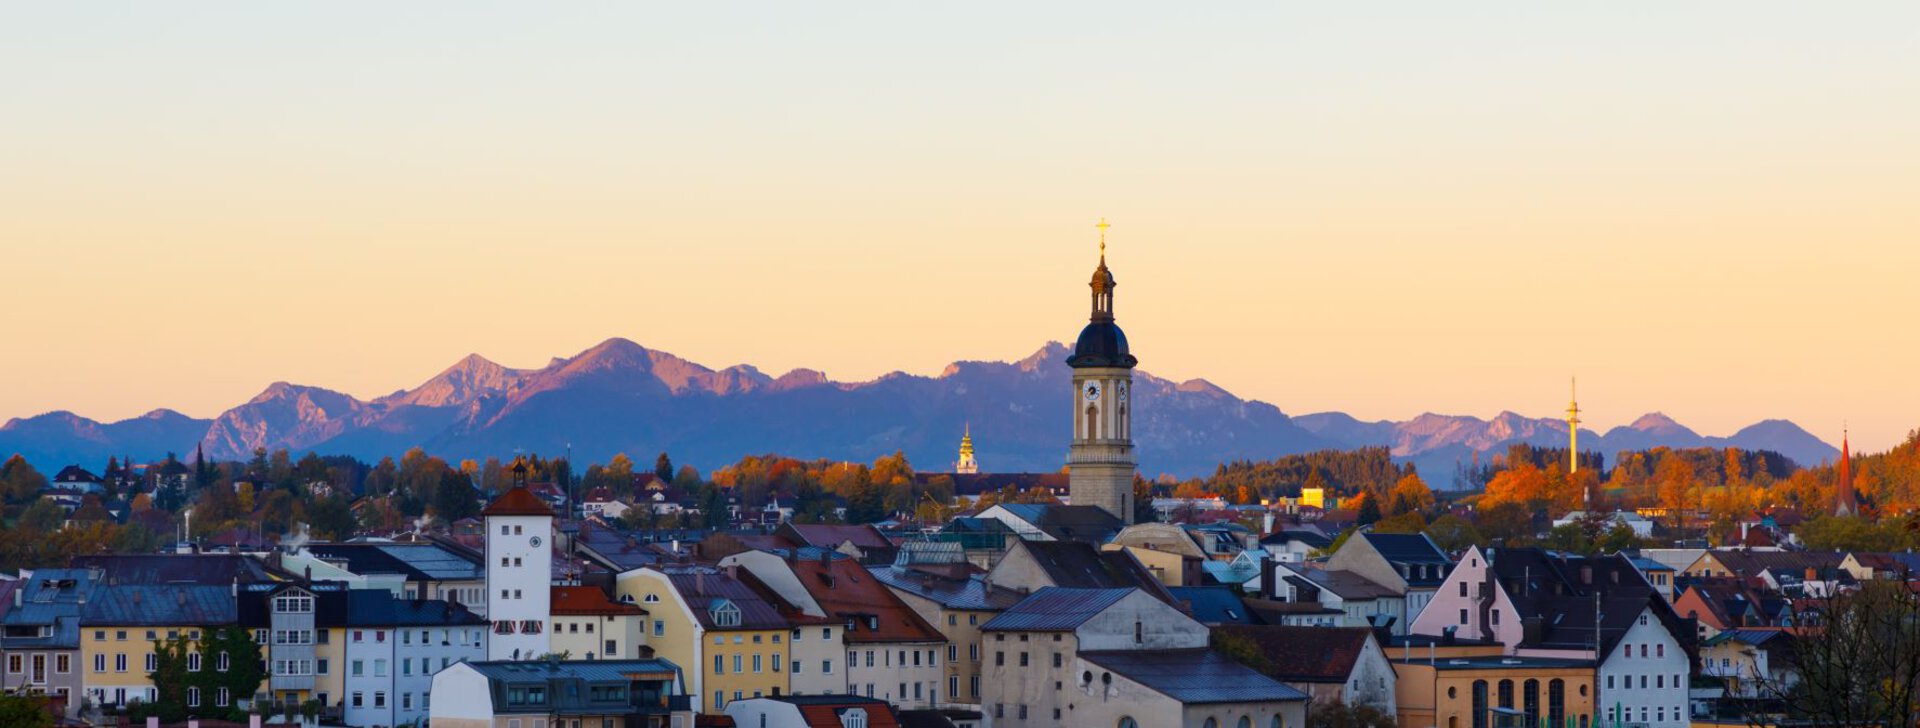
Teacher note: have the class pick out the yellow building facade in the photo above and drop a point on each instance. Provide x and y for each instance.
(731, 642)
(1494, 692)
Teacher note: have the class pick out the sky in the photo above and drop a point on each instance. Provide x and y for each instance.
(1706, 209)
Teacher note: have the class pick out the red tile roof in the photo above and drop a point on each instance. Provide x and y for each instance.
(588, 600)
(518, 502)
(828, 716)
(845, 590)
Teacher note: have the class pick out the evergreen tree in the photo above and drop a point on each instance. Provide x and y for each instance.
(663, 468)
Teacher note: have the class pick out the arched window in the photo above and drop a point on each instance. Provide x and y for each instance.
(1479, 704)
(1245, 722)
(1506, 693)
(1530, 697)
(1557, 701)
(1211, 723)
(1277, 722)
(1093, 423)
(1129, 723)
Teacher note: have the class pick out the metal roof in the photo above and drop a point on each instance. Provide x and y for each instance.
(416, 561)
(588, 670)
(153, 604)
(952, 593)
(1194, 676)
(1055, 609)
(1213, 604)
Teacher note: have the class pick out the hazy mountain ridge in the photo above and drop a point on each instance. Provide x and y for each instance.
(619, 396)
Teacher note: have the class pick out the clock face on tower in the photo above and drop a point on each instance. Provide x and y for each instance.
(1093, 391)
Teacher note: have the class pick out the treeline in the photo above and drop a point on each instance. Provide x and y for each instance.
(1342, 472)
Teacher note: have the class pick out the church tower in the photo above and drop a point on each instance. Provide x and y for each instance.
(966, 465)
(1100, 463)
(1845, 503)
(519, 571)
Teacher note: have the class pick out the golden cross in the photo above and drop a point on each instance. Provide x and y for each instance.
(1103, 236)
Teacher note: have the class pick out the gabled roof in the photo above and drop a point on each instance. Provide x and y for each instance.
(214, 569)
(1078, 565)
(1091, 524)
(703, 587)
(1306, 654)
(1212, 604)
(831, 535)
(1346, 584)
(1742, 562)
(968, 592)
(153, 604)
(846, 590)
(583, 600)
(1407, 548)
(1055, 609)
(380, 608)
(1197, 676)
(416, 561)
(518, 501)
(75, 474)
(1308, 536)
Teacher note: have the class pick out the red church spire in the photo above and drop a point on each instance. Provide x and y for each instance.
(1845, 504)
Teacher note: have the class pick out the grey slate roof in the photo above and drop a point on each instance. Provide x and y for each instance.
(1213, 604)
(1197, 676)
(703, 587)
(1091, 524)
(952, 593)
(206, 569)
(1055, 609)
(153, 604)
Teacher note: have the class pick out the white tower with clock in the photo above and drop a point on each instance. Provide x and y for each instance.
(1100, 463)
(519, 572)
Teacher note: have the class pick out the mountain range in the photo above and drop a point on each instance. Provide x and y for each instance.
(619, 396)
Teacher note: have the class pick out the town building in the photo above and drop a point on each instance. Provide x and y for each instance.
(410, 570)
(1411, 565)
(121, 624)
(1054, 522)
(731, 638)
(393, 647)
(40, 641)
(1490, 691)
(814, 711)
(1119, 657)
(588, 625)
(936, 581)
(1333, 665)
(1753, 663)
(590, 693)
(519, 564)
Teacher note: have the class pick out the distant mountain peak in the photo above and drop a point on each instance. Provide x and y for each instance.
(1202, 386)
(1656, 421)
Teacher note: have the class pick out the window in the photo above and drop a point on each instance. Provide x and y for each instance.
(153, 662)
(1463, 616)
(736, 666)
(193, 697)
(1056, 660)
(358, 668)
(756, 663)
(120, 662)
(99, 663)
(1139, 632)
(62, 664)
(323, 667)
(953, 652)
(719, 664)
(379, 698)
(1496, 616)
(659, 627)
(973, 685)
(826, 667)
(1023, 658)
(223, 663)
(406, 701)
(1660, 650)
(953, 684)
(796, 667)
(999, 658)
(1463, 588)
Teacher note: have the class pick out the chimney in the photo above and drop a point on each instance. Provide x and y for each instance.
(733, 571)
(16, 597)
(180, 597)
(700, 580)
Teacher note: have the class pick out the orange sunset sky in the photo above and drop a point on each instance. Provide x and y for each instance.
(1708, 209)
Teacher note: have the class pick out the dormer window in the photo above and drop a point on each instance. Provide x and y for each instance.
(725, 613)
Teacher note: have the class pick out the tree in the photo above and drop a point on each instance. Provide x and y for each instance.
(1143, 511)
(1369, 509)
(331, 518)
(230, 647)
(1411, 494)
(24, 711)
(1337, 714)
(44, 516)
(1859, 663)
(663, 468)
(1453, 533)
(19, 481)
